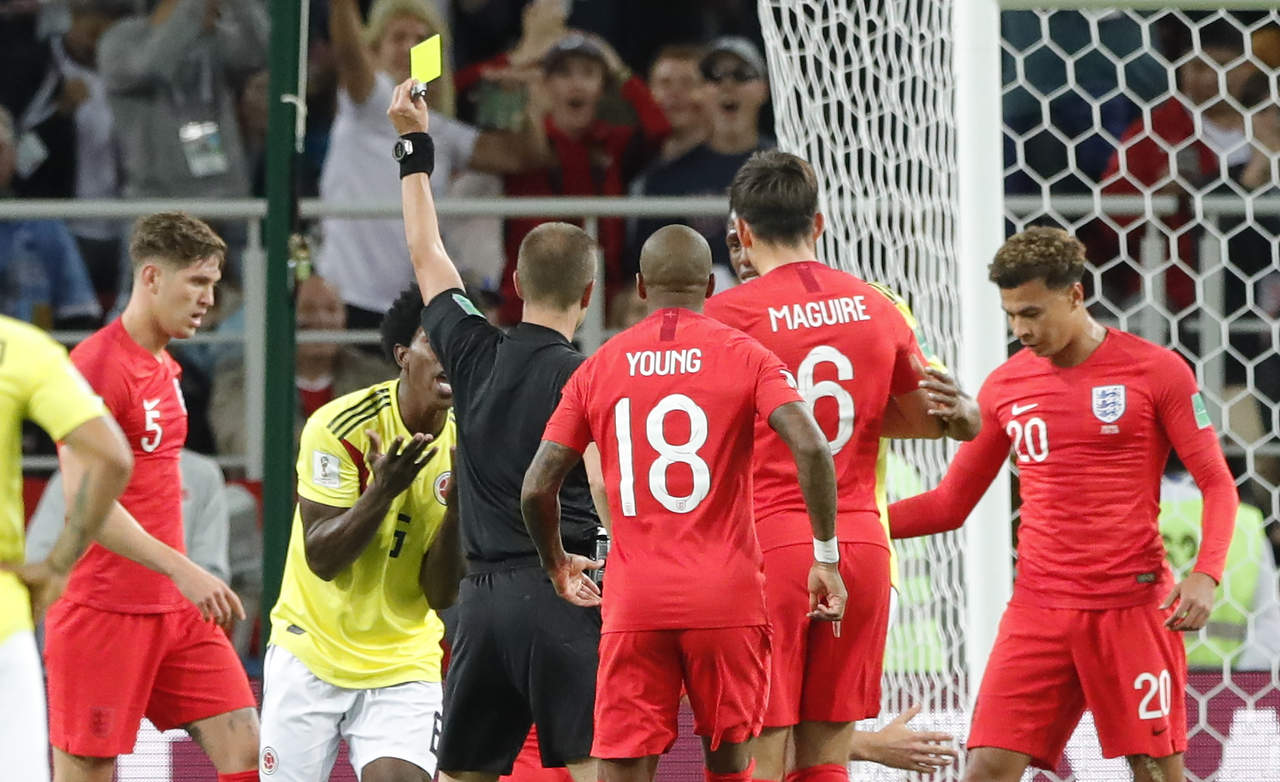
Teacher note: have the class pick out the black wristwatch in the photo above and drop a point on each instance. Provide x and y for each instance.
(416, 154)
(402, 149)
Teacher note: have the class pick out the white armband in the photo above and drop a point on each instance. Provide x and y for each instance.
(826, 551)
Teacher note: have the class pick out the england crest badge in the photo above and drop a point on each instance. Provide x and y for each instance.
(1108, 403)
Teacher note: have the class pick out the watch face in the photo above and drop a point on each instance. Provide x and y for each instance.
(403, 149)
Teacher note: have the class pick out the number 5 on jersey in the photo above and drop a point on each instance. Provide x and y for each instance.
(668, 454)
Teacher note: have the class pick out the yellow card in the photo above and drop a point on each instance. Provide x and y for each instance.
(425, 60)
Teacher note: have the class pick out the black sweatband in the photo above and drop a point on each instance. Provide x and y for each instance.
(423, 159)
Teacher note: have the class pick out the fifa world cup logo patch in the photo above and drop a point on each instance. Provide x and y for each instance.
(1108, 403)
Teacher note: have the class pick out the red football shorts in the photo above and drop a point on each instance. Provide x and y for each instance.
(638, 685)
(1049, 664)
(107, 670)
(816, 676)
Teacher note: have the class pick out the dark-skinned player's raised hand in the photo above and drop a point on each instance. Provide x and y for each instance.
(395, 470)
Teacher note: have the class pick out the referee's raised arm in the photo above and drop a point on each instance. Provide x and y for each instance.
(520, 653)
(415, 152)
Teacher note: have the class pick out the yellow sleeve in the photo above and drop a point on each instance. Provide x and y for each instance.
(905, 310)
(327, 471)
(59, 398)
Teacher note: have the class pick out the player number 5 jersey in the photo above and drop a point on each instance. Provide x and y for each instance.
(371, 625)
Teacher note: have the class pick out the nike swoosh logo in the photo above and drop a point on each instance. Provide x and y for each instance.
(1158, 731)
(1020, 409)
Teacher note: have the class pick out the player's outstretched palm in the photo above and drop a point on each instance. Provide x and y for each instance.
(210, 594)
(898, 746)
(395, 470)
(571, 581)
(826, 592)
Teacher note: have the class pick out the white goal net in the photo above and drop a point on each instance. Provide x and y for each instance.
(1153, 135)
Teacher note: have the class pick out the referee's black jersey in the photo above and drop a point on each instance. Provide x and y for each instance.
(505, 388)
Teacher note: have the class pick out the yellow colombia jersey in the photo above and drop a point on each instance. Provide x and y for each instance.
(882, 499)
(37, 382)
(370, 626)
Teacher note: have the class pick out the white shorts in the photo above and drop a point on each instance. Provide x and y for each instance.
(24, 732)
(303, 718)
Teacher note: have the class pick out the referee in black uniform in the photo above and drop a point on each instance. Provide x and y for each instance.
(521, 654)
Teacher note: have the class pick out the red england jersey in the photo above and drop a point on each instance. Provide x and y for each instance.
(670, 402)
(143, 394)
(850, 350)
(1090, 443)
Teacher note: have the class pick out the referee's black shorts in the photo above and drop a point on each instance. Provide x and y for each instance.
(521, 655)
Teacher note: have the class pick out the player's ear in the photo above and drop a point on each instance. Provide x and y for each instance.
(745, 237)
(711, 285)
(640, 291)
(1077, 294)
(401, 353)
(515, 280)
(149, 276)
(586, 294)
(819, 225)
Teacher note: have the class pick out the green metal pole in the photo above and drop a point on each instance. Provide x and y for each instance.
(277, 450)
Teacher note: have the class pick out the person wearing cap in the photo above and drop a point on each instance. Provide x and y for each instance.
(735, 92)
(593, 156)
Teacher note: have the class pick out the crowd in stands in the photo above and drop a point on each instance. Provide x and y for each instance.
(168, 99)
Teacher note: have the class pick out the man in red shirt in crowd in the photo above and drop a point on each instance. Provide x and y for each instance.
(1089, 414)
(860, 369)
(139, 630)
(670, 402)
(1172, 154)
(593, 157)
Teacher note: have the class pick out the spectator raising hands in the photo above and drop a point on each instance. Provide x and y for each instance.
(366, 259)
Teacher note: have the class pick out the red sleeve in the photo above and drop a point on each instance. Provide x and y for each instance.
(970, 473)
(908, 362)
(653, 122)
(469, 76)
(1181, 412)
(774, 384)
(569, 425)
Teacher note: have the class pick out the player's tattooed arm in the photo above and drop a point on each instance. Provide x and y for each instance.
(104, 463)
(443, 566)
(540, 505)
(795, 425)
(334, 537)
(432, 266)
